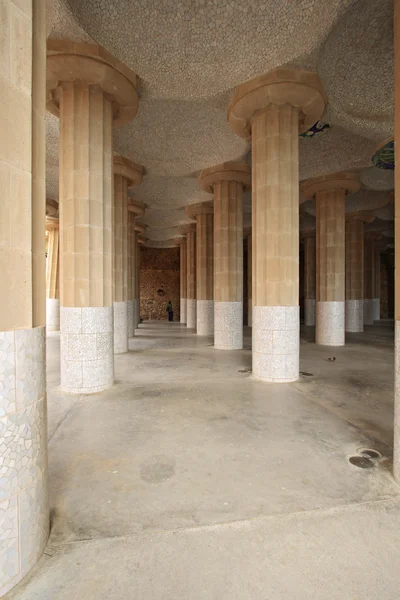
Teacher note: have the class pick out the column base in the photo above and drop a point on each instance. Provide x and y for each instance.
(250, 313)
(396, 432)
(205, 317)
(354, 317)
(120, 327)
(87, 349)
(53, 314)
(309, 312)
(330, 320)
(228, 325)
(376, 310)
(131, 326)
(24, 507)
(183, 310)
(276, 343)
(191, 313)
(368, 311)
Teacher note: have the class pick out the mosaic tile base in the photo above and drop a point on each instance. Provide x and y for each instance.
(52, 314)
(329, 327)
(120, 327)
(354, 318)
(205, 317)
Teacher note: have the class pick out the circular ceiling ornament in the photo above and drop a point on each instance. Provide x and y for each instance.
(384, 155)
(319, 128)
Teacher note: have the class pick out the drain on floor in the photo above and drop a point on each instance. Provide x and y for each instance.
(369, 453)
(306, 374)
(244, 370)
(362, 462)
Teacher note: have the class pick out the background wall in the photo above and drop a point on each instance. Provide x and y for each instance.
(159, 282)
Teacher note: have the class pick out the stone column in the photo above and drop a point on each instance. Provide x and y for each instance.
(203, 213)
(377, 299)
(190, 232)
(126, 175)
(24, 509)
(89, 91)
(396, 428)
(227, 182)
(135, 209)
(273, 109)
(354, 318)
(330, 192)
(369, 276)
(140, 240)
(309, 278)
(249, 279)
(183, 279)
(52, 276)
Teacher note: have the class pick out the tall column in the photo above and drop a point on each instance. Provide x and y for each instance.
(309, 278)
(329, 192)
(369, 276)
(190, 232)
(227, 181)
(126, 175)
(89, 92)
(24, 510)
(377, 298)
(249, 278)
(396, 429)
(203, 213)
(139, 241)
(273, 108)
(354, 319)
(52, 277)
(135, 209)
(183, 279)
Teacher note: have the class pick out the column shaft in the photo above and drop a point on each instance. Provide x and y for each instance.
(275, 151)
(330, 274)
(191, 279)
(309, 280)
(52, 281)
(377, 298)
(396, 428)
(120, 241)
(204, 275)
(354, 275)
(228, 265)
(137, 281)
(86, 245)
(183, 280)
(249, 280)
(24, 510)
(131, 255)
(369, 279)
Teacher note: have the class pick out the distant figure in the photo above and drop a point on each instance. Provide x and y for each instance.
(170, 311)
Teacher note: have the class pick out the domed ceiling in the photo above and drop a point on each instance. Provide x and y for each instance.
(190, 54)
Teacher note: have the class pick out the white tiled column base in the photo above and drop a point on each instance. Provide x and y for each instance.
(376, 309)
(368, 311)
(329, 325)
(205, 317)
(120, 327)
(53, 314)
(396, 432)
(87, 349)
(250, 313)
(191, 313)
(228, 325)
(183, 310)
(354, 317)
(309, 312)
(131, 327)
(276, 343)
(24, 509)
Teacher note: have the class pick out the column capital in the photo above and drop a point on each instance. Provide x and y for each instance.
(136, 207)
(348, 182)
(362, 215)
(185, 229)
(178, 241)
(201, 208)
(140, 227)
(52, 223)
(229, 171)
(128, 169)
(69, 62)
(301, 89)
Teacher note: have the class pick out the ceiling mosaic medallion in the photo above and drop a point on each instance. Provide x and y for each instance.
(319, 128)
(384, 155)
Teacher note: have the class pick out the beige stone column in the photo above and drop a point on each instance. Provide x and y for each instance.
(136, 209)
(140, 240)
(24, 509)
(190, 232)
(52, 276)
(329, 192)
(203, 214)
(273, 108)
(370, 238)
(90, 91)
(377, 299)
(126, 175)
(226, 182)
(309, 278)
(396, 428)
(183, 279)
(354, 319)
(249, 279)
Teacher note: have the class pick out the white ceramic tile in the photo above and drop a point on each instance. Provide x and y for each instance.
(330, 323)
(205, 317)
(228, 325)
(191, 313)
(183, 310)
(120, 327)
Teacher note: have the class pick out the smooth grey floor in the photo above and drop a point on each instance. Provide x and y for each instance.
(190, 480)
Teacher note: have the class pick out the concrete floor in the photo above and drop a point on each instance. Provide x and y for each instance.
(189, 480)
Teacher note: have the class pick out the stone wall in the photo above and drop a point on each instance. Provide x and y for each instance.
(159, 282)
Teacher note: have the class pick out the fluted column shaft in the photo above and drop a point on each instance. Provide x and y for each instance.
(354, 275)
(204, 275)
(131, 254)
(396, 428)
(275, 229)
(137, 279)
(249, 280)
(369, 279)
(52, 280)
(120, 260)
(330, 273)
(191, 279)
(228, 265)
(309, 279)
(377, 299)
(183, 280)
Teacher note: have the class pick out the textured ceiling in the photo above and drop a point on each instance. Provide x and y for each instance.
(190, 54)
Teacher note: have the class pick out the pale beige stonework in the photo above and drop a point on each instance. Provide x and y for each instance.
(249, 279)
(52, 276)
(309, 278)
(190, 232)
(396, 436)
(354, 319)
